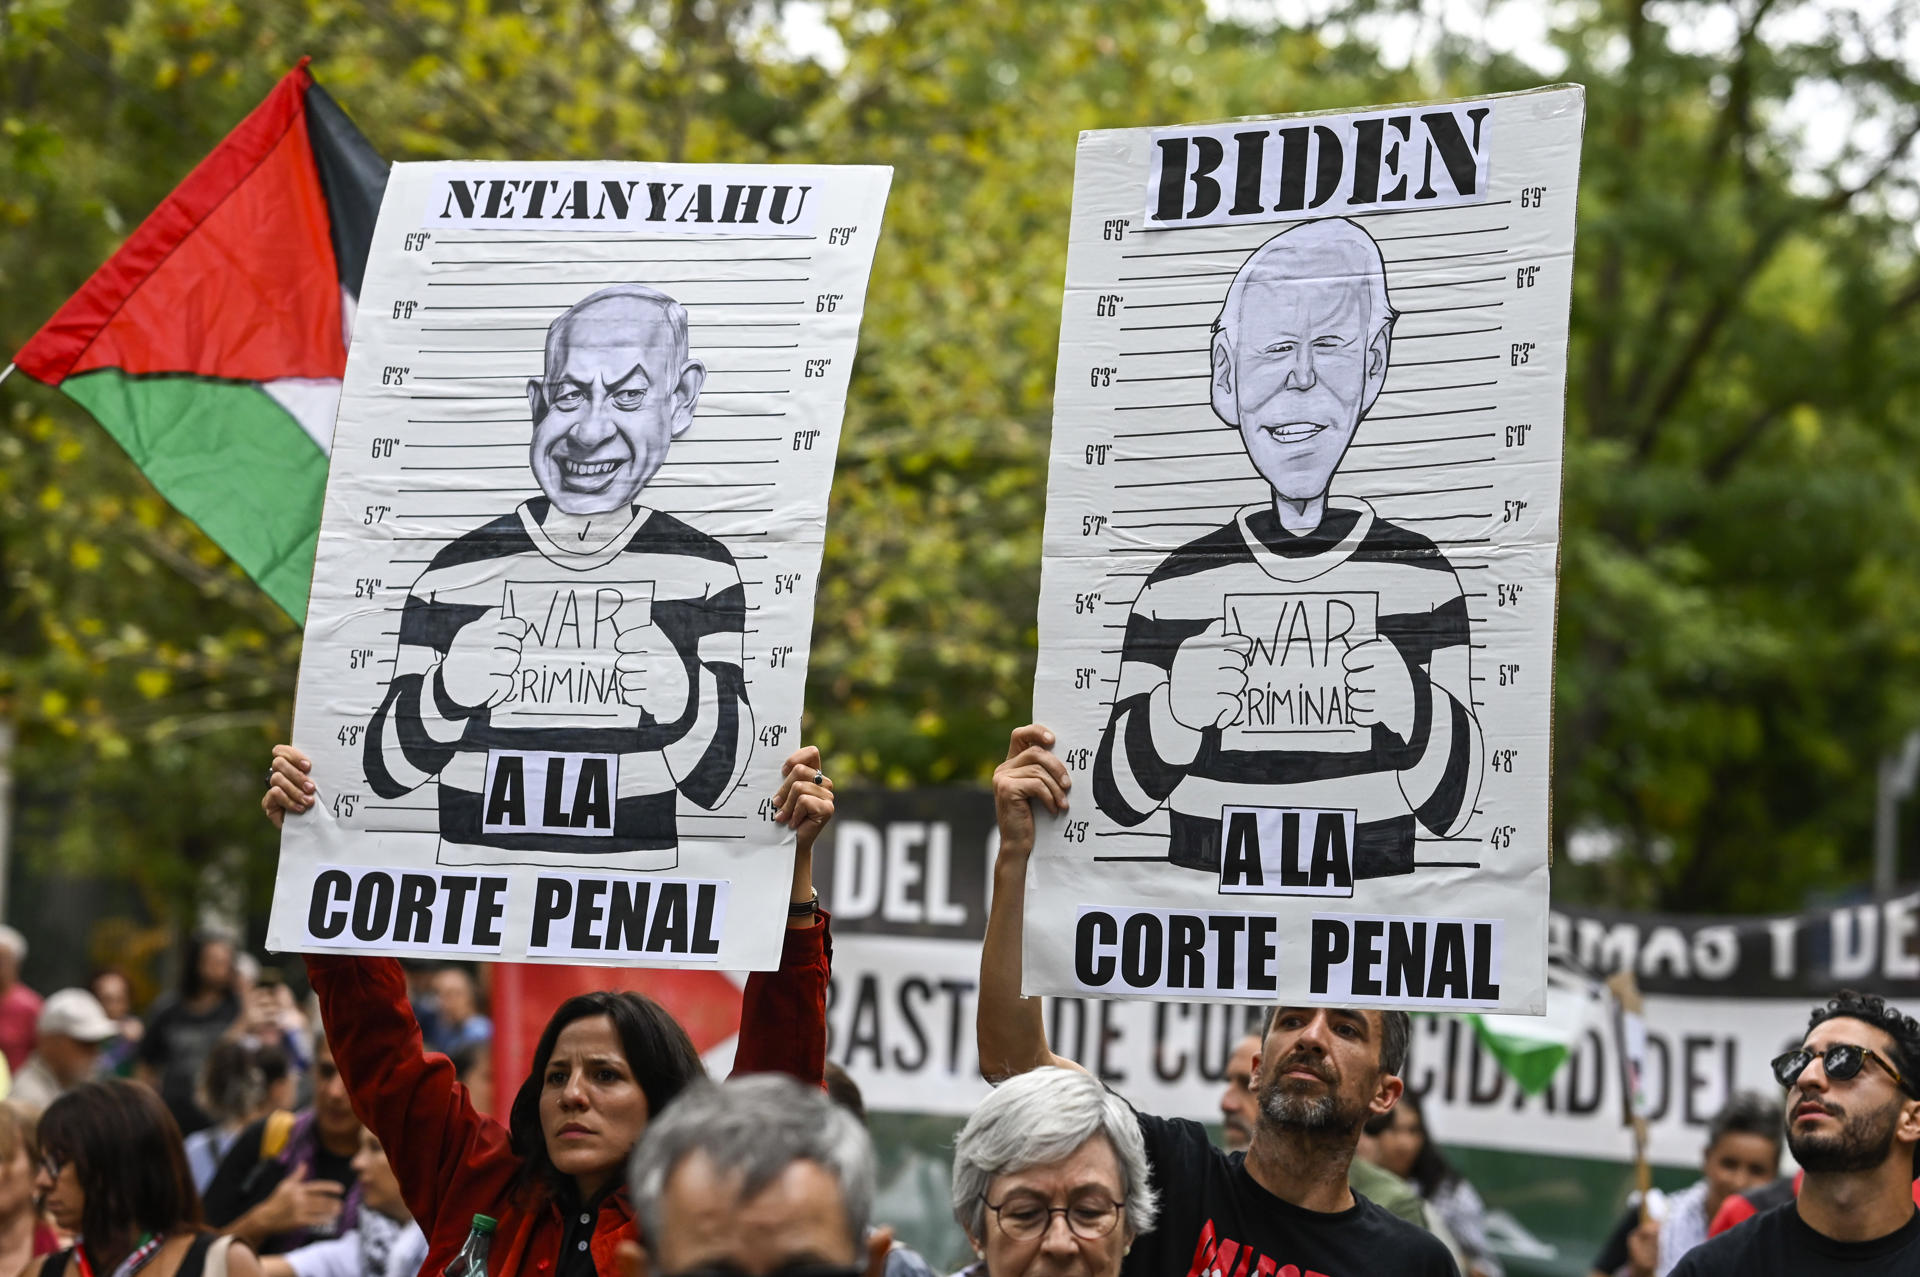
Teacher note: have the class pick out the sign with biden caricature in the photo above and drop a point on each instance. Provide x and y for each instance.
(1297, 602)
(561, 606)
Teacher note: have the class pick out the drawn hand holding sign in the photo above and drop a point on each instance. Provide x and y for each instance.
(653, 673)
(481, 661)
(1206, 685)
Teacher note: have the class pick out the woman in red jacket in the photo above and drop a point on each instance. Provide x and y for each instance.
(553, 1177)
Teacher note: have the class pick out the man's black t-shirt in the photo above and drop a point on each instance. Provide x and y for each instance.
(1215, 1221)
(1780, 1244)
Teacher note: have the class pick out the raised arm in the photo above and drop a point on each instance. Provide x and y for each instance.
(783, 1014)
(407, 1098)
(1008, 1028)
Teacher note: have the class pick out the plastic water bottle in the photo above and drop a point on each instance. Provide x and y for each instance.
(472, 1259)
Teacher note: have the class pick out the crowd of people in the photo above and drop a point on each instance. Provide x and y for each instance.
(231, 1132)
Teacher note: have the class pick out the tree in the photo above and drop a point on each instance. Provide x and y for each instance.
(1739, 577)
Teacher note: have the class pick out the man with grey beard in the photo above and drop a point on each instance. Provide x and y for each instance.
(1284, 1204)
(1239, 1106)
(1853, 1124)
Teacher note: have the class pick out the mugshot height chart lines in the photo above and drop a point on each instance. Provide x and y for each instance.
(1297, 602)
(563, 597)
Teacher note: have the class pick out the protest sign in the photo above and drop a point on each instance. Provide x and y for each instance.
(1298, 588)
(557, 640)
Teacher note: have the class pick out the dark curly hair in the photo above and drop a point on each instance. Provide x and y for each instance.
(1871, 1008)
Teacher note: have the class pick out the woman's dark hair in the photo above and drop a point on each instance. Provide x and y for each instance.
(658, 1051)
(127, 1153)
(1431, 1170)
(197, 946)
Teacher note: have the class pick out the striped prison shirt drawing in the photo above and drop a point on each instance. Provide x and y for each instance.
(562, 770)
(1302, 600)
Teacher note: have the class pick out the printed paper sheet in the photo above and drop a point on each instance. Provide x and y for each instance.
(558, 635)
(1296, 616)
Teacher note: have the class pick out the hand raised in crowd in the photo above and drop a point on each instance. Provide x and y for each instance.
(288, 787)
(1031, 773)
(1643, 1248)
(297, 1203)
(804, 801)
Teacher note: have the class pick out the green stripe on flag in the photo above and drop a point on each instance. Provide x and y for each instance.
(229, 458)
(1529, 1049)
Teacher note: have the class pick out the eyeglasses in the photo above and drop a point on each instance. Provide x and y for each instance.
(1023, 1217)
(1842, 1060)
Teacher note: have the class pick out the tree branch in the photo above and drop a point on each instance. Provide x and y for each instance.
(1707, 330)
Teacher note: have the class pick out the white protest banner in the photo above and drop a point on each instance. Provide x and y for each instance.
(1297, 596)
(906, 875)
(558, 635)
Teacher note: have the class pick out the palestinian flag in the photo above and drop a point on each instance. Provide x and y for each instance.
(211, 346)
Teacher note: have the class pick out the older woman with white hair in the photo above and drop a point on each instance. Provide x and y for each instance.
(1051, 1172)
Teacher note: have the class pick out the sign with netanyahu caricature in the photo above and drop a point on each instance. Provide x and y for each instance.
(577, 495)
(1297, 601)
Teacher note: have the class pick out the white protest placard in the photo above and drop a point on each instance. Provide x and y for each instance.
(558, 635)
(1298, 591)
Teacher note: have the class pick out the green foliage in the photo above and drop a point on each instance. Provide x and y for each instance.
(1738, 626)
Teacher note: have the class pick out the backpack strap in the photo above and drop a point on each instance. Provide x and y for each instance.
(275, 1134)
(207, 1255)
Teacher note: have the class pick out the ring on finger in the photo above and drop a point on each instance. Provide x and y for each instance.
(819, 778)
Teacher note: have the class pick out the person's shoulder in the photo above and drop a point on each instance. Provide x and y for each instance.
(1382, 1188)
(664, 533)
(1734, 1251)
(904, 1261)
(1222, 546)
(1177, 1140)
(1178, 1129)
(21, 994)
(1403, 1247)
(245, 1149)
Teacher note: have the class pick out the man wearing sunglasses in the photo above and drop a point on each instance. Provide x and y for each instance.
(760, 1177)
(1853, 1124)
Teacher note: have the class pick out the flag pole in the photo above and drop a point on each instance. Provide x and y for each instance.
(5, 373)
(1629, 1013)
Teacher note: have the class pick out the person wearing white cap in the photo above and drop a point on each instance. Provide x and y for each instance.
(71, 1029)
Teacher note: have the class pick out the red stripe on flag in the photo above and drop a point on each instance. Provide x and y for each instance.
(232, 276)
